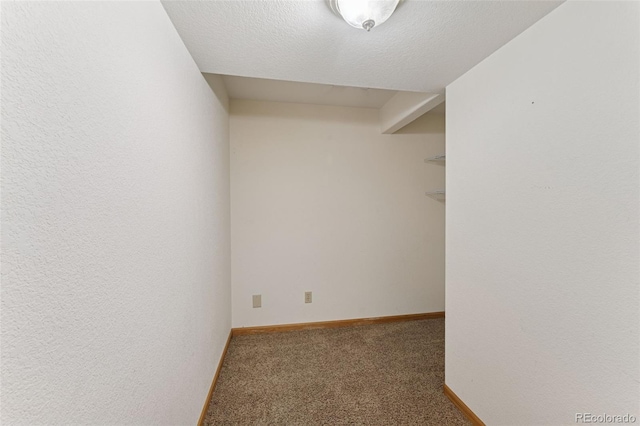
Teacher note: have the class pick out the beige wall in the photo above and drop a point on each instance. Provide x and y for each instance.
(321, 201)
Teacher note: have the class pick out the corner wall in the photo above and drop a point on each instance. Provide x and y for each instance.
(322, 201)
(115, 300)
(543, 217)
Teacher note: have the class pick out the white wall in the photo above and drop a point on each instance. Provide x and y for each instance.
(322, 201)
(543, 222)
(115, 218)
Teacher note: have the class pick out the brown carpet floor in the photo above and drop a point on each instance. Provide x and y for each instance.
(384, 374)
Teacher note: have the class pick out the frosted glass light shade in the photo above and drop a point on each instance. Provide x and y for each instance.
(365, 14)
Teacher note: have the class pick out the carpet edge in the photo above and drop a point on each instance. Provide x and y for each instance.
(203, 413)
(239, 331)
(469, 414)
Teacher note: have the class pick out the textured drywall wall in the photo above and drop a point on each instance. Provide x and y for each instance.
(115, 218)
(543, 219)
(322, 201)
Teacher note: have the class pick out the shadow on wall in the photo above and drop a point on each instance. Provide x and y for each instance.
(430, 123)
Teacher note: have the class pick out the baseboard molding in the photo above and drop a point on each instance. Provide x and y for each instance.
(475, 420)
(332, 324)
(203, 414)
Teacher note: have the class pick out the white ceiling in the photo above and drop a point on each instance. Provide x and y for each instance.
(309, 93)
(423, 47)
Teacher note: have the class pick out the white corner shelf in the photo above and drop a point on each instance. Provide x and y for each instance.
(438, 194)
(441, 158)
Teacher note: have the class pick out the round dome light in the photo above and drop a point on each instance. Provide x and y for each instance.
(364, 14)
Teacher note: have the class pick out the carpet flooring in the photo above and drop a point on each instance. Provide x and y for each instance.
(383, 374)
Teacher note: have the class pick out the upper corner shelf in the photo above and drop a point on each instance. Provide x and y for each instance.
(438, 194)
(441, 158)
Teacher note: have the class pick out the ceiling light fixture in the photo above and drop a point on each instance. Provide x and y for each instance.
(364, 14)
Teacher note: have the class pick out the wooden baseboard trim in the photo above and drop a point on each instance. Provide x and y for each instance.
(203, 414)
(332, 324)
(475, 420)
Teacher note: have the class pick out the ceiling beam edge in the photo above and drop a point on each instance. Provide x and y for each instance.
(405, 107)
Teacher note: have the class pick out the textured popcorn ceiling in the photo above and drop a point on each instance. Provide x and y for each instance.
(423, 47)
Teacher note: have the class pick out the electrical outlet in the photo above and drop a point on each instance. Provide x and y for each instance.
(257, 300)
(307, 297)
